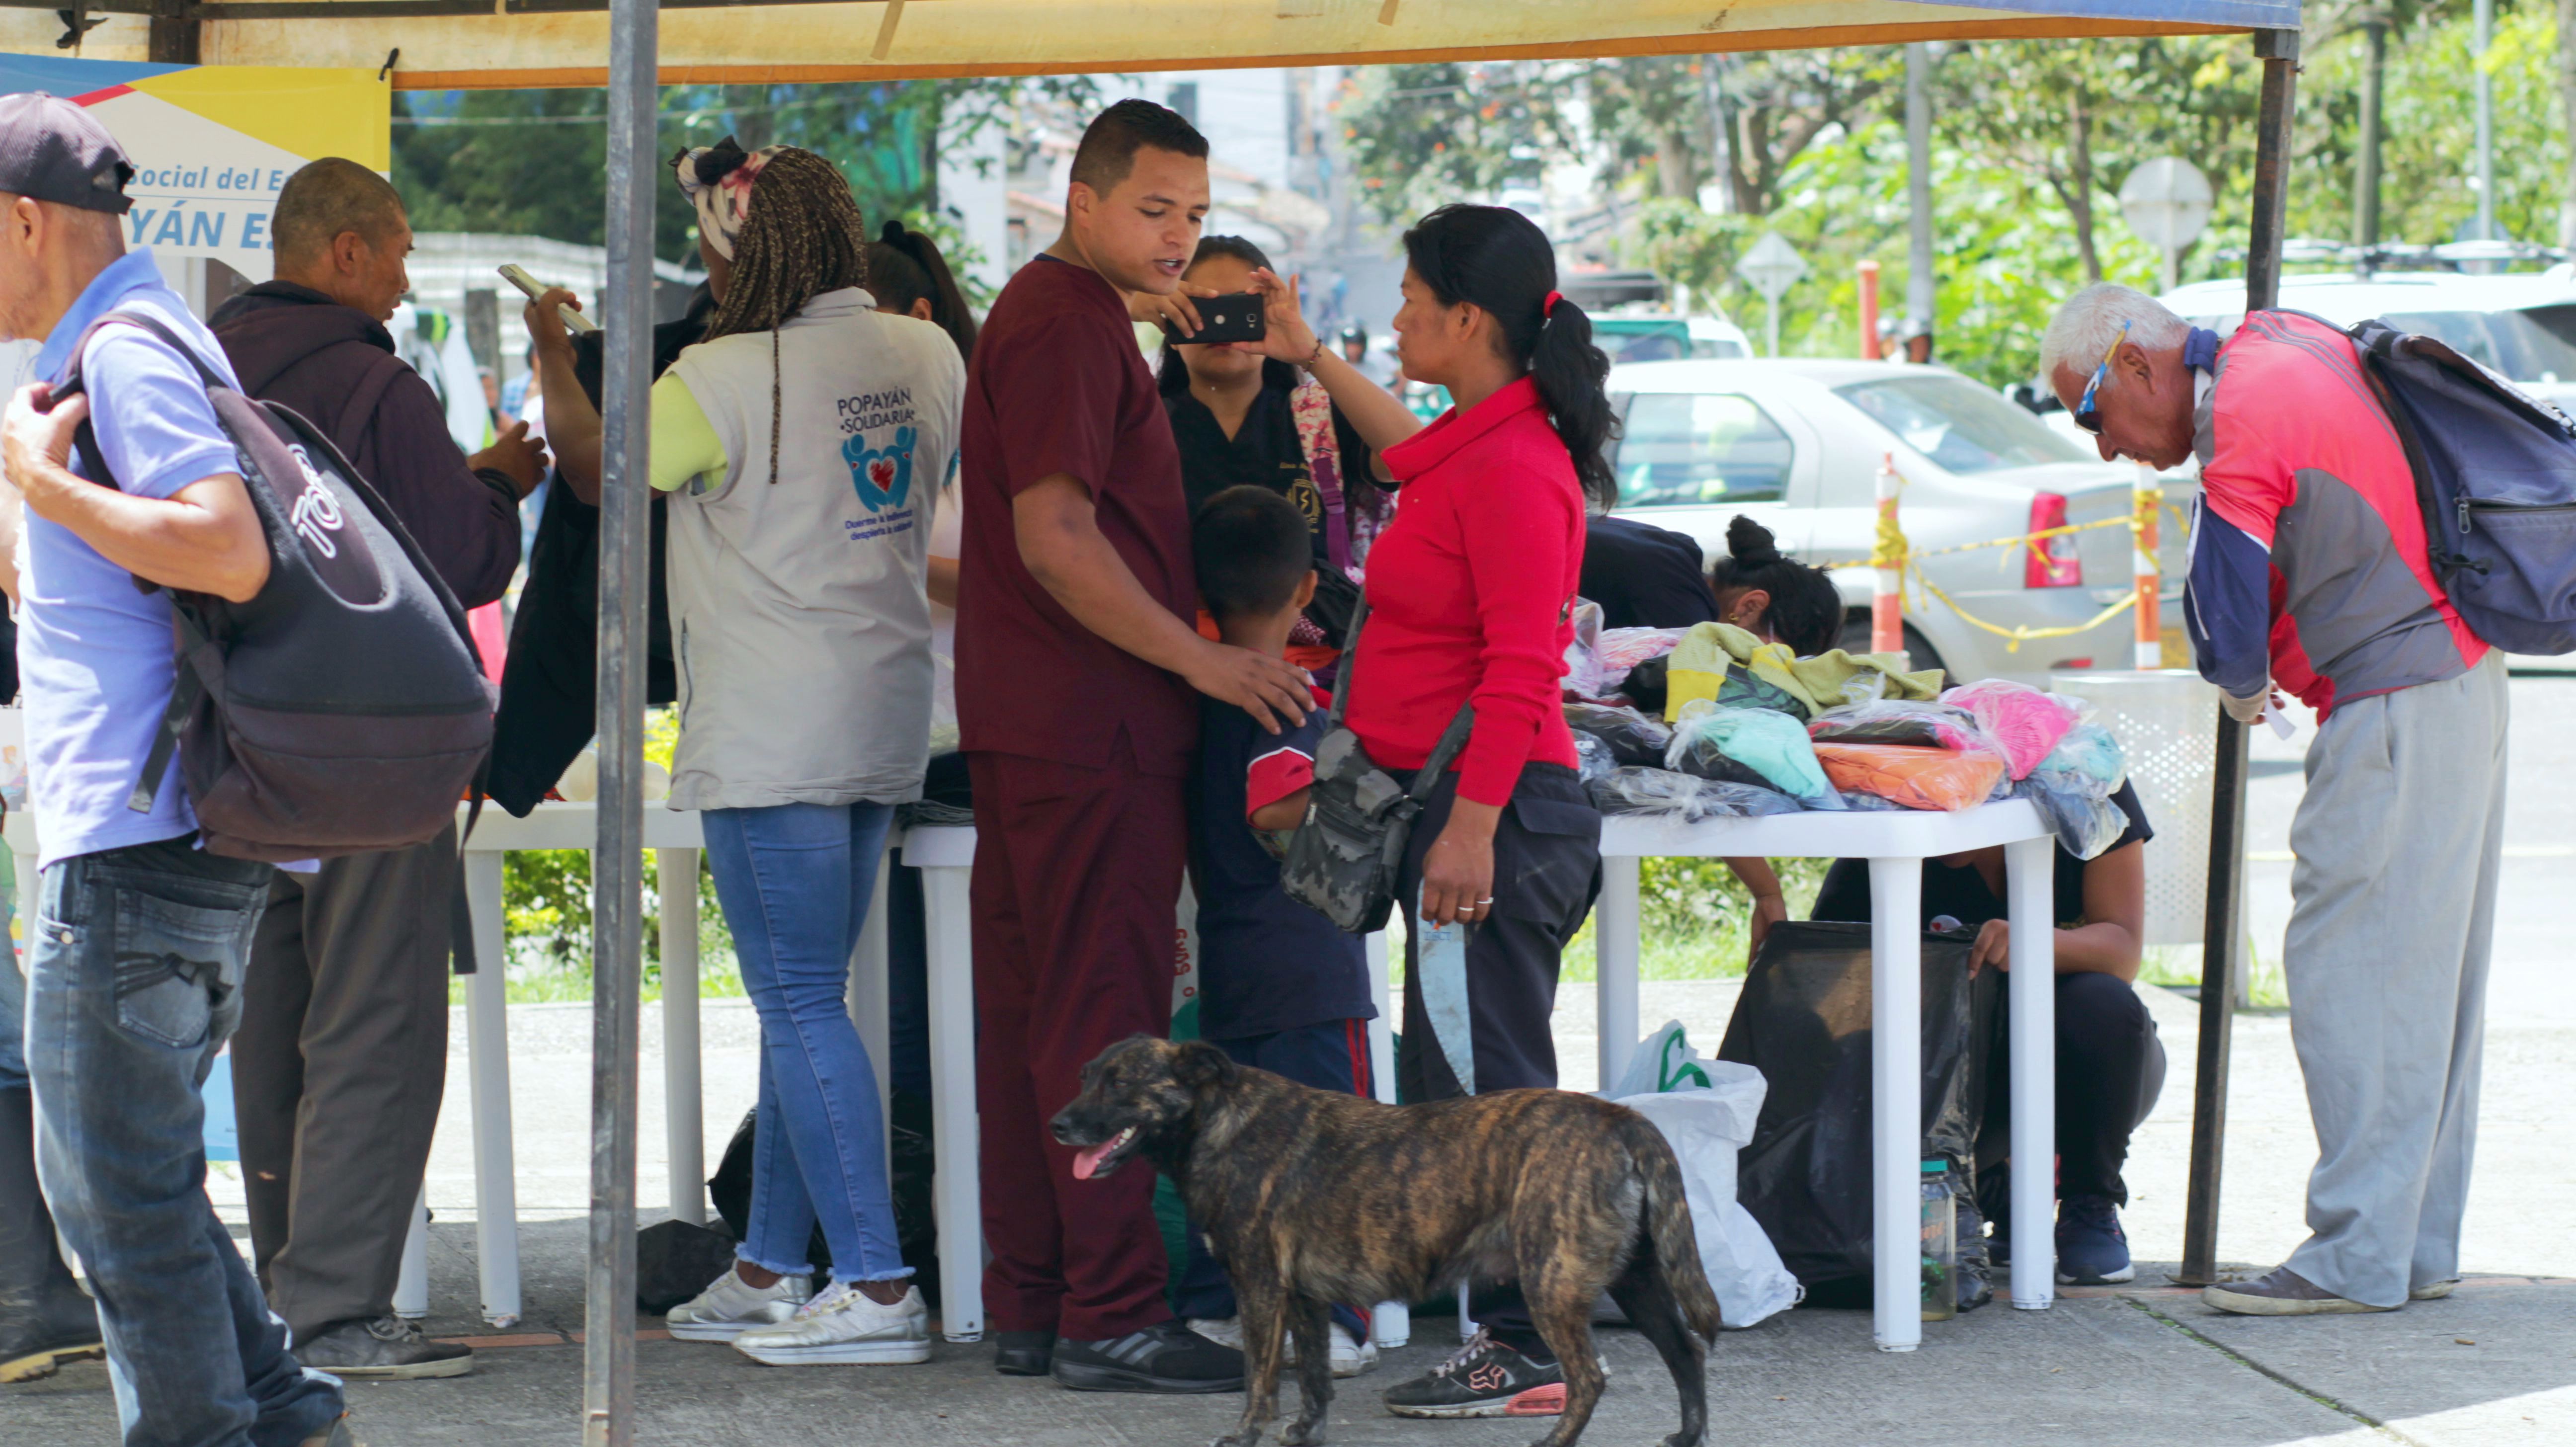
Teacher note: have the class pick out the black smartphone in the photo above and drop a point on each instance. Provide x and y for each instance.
(1231, 318)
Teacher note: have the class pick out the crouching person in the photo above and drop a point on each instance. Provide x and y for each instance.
(1280, 986)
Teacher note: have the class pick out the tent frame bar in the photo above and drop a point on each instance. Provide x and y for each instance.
(2223, 934)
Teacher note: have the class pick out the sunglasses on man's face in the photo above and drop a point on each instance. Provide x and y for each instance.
(2088, 415)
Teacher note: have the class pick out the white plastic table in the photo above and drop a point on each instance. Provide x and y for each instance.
(1895, 844)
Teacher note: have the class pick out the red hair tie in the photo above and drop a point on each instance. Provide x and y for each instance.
(1547, 308)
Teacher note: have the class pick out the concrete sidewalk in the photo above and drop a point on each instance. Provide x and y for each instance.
(2495, 1366)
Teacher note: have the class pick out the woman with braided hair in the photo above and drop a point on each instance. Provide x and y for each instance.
(799, 445)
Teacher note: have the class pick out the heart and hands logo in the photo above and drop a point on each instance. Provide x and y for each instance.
(883, 476)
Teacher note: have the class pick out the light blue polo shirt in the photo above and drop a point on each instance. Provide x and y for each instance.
(94, 660)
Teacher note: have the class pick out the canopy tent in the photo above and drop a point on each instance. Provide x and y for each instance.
(449, 44)
(632, 47)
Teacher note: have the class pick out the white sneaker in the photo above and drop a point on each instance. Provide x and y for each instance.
(843, 1325)
(732, 1306)
(1351, 1355)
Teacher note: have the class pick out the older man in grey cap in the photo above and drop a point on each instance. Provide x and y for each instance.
(134, 961)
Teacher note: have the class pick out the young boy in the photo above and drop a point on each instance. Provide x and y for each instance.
(1281, 987)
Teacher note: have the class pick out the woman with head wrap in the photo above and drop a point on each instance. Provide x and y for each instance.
(799, 446)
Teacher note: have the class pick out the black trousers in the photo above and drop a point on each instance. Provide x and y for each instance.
(337, 1072)
(2110, 1070)
(1547, 870)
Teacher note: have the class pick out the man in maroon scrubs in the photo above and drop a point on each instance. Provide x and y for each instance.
(1077, 658)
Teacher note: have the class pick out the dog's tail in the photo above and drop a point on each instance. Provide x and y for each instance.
(1668, 1226)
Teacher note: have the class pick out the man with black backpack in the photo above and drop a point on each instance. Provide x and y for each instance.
(135, 957)
(2310, 570)
(338, 1068)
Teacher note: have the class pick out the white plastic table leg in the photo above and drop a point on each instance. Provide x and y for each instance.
(2031, 879)
(1896, 1100)
(958, 1184)
(1390, 1322)
(683, 1099)
(487, 1045)
(1614, 943)
(411, 1285)
(871, 1008)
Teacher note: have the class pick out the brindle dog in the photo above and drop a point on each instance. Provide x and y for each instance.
(1310, 1197)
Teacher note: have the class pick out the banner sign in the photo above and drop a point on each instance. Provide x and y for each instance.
(211, 144)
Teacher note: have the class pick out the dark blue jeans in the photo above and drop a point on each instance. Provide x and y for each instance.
(134, 967)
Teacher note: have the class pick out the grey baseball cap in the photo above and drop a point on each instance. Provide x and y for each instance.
(56, 151)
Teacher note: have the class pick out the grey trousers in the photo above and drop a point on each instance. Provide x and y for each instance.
(337, 1072)
(2393, 914)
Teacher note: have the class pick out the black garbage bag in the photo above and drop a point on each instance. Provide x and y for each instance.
(674, 1261)
(1804, 1022)
(916, 1222)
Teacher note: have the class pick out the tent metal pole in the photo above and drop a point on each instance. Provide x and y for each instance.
(617, 923)
(2223, 937)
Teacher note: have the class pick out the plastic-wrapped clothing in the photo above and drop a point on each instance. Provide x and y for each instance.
(1633, 738)
(2026, 722)
(1645, 684)
(1828, 680)
(2086, 826)
(1803, 1020)
(1902, 721)
(1584, 675)
(2090, 759)
(1592, 757)
(1685, 797)
(1914, 777)
(1622, 649)
(1750, 746)
(1862, 803)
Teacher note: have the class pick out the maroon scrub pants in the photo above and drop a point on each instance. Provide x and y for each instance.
(1077, 873)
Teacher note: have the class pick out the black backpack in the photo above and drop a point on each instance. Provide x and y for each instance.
(343, 709)
(2495, 473)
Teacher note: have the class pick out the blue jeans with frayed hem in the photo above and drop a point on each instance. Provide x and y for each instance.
(794, 881)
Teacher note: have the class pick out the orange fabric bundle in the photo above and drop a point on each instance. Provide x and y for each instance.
(1918, 778)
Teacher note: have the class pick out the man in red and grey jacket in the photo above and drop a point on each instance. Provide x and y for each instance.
(2309, 572)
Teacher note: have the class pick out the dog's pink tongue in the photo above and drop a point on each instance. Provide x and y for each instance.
(1088, 1160)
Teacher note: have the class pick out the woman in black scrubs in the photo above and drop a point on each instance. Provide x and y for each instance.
(1233, 408)
(2110, 1065)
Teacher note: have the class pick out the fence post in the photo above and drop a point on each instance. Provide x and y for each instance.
(2147, 500)
(1887, 567)
(1869, 310)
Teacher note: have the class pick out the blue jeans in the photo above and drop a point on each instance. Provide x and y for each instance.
(13, 987)
(134, 967)
(794, 880)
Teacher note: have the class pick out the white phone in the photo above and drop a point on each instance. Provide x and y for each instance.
(517, 276)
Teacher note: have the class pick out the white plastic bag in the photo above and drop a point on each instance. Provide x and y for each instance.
(1707, 1110)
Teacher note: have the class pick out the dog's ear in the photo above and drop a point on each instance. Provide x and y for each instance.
(1197, 1064)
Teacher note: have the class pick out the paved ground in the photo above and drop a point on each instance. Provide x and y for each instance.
(2144, 1367)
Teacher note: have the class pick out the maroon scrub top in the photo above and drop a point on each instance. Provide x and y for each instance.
(1058, 385)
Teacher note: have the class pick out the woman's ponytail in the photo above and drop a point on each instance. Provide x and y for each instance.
(1498, 259)
(1570, 372)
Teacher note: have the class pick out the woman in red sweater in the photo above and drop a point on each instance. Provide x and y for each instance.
(1471, 591)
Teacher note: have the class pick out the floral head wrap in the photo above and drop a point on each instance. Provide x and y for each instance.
(717, 180)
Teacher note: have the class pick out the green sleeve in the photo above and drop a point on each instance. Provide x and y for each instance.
(685, 445)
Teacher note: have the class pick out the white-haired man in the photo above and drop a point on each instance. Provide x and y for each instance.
(2309, 570)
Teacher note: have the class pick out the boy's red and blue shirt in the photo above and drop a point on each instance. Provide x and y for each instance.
(1266, 962)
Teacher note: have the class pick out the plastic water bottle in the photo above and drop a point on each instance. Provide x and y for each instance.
(1940, 1243)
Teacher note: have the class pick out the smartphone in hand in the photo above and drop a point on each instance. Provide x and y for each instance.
(573, 320)
(1234, 317)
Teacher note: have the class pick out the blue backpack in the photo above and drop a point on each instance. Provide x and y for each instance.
(2495, 472)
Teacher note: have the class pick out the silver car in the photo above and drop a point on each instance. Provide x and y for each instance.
(1797, 444)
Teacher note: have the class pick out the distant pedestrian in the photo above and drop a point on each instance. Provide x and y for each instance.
(2309, 571)
(135, 958)
(342, 1056)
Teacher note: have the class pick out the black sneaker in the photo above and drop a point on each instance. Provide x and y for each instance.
(2092, 1250)
(63, 1327)
(386, 1349)
(1023, 1353)
(1974, 1277)
(1485, 1379)
(1166, 1358)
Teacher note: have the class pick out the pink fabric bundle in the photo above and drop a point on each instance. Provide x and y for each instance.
(2026, 723)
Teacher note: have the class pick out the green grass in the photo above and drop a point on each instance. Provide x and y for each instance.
(1693, 917)
(2172, 965)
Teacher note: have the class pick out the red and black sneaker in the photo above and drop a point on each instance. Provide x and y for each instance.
(1485, 1379)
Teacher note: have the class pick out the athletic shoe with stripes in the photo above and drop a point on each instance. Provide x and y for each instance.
(844, 1325)
(1485, 1379)
(732, 1306)
(1167, 1358)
